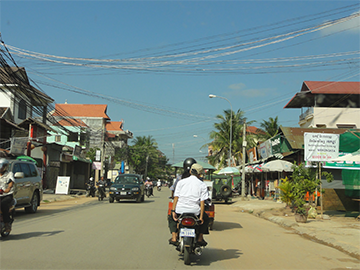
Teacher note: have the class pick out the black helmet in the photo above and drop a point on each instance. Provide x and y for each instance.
(187, 163)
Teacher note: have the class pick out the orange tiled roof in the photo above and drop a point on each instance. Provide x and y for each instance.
(253, 130)
(81, 110)
(114, 126)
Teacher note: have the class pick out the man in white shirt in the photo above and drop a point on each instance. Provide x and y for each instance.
(189, 197)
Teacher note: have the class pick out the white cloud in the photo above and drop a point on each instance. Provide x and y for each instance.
(351, 26)
(240, 89)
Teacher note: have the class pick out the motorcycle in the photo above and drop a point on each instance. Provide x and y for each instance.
(188, 235)
(90, 190)
(148, 190)
(158, 188)
(3, 232)
(101, 192)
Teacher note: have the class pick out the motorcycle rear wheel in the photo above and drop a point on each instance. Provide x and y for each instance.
(187, 260)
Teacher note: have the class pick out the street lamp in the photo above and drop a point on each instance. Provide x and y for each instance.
(214, 96)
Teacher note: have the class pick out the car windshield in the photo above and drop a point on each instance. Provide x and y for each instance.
(127, 179)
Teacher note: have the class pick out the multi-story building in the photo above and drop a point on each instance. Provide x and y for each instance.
(328, 104)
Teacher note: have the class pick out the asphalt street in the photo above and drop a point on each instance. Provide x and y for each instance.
(83, 233)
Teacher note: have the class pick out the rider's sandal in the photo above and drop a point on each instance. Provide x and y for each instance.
(7, 228)
(175, 243)
(202, 243)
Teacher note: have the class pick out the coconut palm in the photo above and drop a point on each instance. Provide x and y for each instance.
(269, 128)
(221, 137)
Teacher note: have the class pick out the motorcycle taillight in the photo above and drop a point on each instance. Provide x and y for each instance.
(188, 222)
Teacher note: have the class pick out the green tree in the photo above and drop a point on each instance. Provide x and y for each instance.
(221, 137)
(91, 153)
(144, 157)
(269, 128)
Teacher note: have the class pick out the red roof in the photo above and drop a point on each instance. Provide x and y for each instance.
(333, 91)
(114, 126)
(318, 87)
(81, 110)
(253, 130)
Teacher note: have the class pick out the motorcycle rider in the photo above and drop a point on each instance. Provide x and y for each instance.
(158, 183)
(186, 166)
(91, 186)
(149, 185)
(189, 197)
(6, 192)
(102, 182)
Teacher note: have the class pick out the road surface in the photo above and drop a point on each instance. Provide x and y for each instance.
(88, 234)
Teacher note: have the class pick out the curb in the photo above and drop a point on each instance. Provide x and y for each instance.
(304, 232)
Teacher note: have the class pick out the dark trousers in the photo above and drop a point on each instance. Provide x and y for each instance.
(5, 205)
(203, 228)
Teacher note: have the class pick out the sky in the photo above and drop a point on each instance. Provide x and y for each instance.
(154, 63)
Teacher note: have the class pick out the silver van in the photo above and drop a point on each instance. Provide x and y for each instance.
(28, 187)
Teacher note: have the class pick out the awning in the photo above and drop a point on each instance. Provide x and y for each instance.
(82, 159)
(205, 165)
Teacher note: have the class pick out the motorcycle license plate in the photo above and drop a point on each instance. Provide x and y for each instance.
(122, 193)
(185, 232)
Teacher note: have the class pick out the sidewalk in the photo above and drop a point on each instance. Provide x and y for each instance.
(49, 196)
(334, 230)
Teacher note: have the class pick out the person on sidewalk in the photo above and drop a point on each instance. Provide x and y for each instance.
(6, 192)
(189, 197)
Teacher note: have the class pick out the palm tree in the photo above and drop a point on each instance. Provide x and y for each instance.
(269, 128)
(221, 137)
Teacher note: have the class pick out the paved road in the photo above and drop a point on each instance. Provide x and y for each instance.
(87, 234)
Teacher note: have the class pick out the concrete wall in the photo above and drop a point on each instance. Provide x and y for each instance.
(332, 118)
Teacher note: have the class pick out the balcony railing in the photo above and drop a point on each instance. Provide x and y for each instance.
(309, 111)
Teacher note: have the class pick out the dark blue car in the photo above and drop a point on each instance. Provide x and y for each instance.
(127, 186)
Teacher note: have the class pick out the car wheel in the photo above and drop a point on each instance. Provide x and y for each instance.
(143, 198)
(225, 190)
(111, 200)
(33, 204)
(138, 199)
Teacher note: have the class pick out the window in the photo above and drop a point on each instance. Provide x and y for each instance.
(33, 170)
(22, 109)
(57, 138)
(346, 125)
(25, 168)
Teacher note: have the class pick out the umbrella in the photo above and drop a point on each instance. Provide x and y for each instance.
(229, 170)
(277, 165)
(353, 157)
(205, 165)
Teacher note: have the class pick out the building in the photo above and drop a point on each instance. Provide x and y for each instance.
(326, 104)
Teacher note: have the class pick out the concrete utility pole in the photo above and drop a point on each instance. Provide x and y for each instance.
(243, 160)
(103, 149)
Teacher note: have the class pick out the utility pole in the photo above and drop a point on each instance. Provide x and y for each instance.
(103, 148)
(243, 160)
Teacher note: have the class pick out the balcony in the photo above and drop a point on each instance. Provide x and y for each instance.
(309, 113)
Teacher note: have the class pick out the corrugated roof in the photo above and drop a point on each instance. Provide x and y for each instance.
(330, 95)
(295, 135)
(81, 110)
(18, 76)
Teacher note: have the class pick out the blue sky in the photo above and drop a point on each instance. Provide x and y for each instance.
(172, 54)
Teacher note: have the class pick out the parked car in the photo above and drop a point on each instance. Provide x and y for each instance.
(28, 187)
(221, 187)
(127, 186)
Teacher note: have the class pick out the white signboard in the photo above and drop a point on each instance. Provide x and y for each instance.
(321, 146)
(62, 185)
